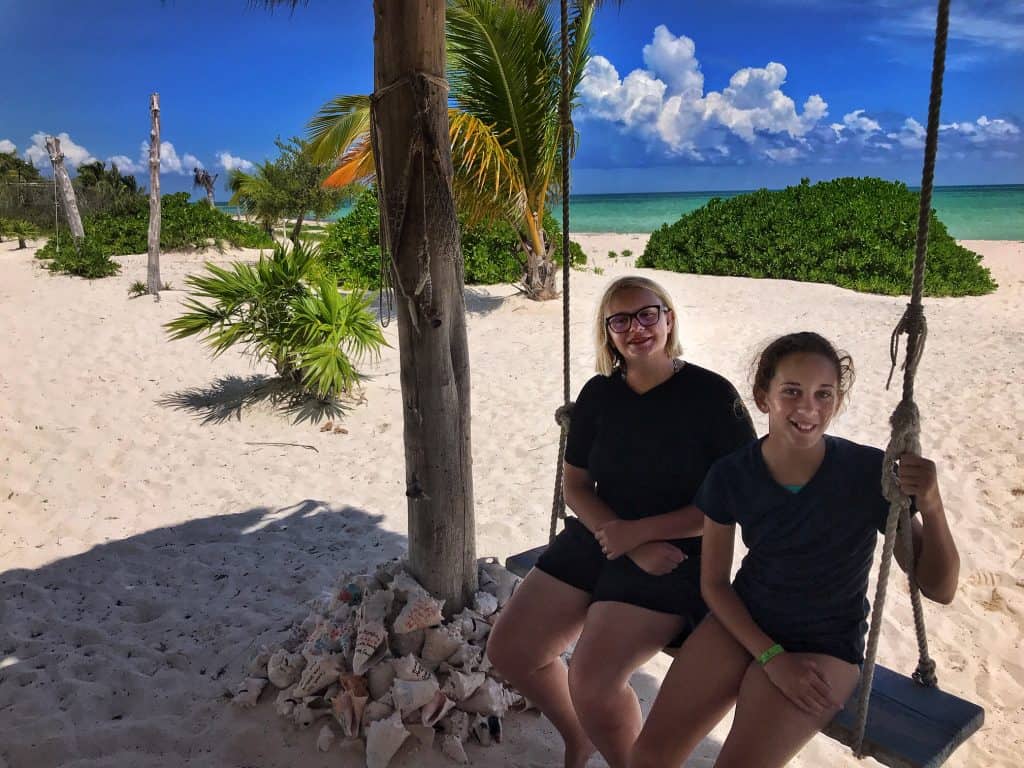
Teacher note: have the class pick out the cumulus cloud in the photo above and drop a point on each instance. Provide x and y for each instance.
(229, 162)
(666, 102)
(169, 160)
(74, 154)
(783, 154)
(910, 135)
(126, 165)
(190, 161)
(7, 147)
(984, 131)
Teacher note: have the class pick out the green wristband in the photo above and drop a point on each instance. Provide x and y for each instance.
(770, 654)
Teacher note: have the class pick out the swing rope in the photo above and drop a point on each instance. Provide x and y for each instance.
(564, 412)
(906, 418)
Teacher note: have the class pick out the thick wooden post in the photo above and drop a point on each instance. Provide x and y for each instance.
(63, 182)
(153, 261)
(414, 172)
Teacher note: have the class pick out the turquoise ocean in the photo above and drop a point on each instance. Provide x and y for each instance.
(969, 213)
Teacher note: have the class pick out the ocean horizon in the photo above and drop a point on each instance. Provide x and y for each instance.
(976, 212)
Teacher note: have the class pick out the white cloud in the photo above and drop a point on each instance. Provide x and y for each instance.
(666, 101)
(7, 147)
(229, 162)
(783, 155)
(126, 165)
(856, 122)
(984, 131)
(910, 136)
(74, 154)
(169, 160)
(190, 161)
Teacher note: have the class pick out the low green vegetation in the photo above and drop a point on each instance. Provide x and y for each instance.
(626, 253)
(86, 258)
(182, 225)
(19, 229)
(613, 255)
(491, 251)
(278, 311)
(856, 233)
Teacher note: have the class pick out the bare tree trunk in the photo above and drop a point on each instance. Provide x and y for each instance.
(414, 172)
(294, 236)
(209, 196)
(153, 262)
(63, 181)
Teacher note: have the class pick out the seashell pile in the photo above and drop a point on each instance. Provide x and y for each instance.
(376, 658)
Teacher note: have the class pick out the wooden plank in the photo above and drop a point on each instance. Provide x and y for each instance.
(521, 564)
(909, 725)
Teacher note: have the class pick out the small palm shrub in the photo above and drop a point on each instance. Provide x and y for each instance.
(856, 233)
(23, 230)
(83, 258)
(311, 334)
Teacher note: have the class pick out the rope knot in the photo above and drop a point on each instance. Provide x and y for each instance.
(925, 673)
(914, 324)
(563, 415)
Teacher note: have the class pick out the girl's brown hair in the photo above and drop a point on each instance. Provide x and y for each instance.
(804, 342)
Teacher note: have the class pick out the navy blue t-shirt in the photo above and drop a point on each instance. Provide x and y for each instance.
(805, 577)
(648, 453)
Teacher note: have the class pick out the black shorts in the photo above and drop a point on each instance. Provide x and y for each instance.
(575, 558)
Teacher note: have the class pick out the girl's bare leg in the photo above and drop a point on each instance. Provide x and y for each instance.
(700, 687)
(617, 638)
(768, 729)
(540, 621)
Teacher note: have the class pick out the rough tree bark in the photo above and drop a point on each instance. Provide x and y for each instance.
(153, 261)
(63, 181)
(419, 222)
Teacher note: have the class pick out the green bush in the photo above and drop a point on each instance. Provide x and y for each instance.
(857, 233)
(182, 225)
(491, 252)
(83, 259)
(311, 334)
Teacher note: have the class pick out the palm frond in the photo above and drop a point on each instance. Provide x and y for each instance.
(341, 122)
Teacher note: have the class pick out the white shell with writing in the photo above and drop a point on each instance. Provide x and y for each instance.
(383, 739)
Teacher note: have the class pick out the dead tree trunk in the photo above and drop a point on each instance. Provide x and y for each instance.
(153, 261)
(63, 182)
(414, 172)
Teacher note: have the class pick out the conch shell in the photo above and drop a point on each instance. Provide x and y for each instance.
(379, 679)
(461, 685)
(419, 612)
(439, 643)
(467, 657)
(371, 645)
(451, 747)
(348, 711)
(285, 702)
(456, 723)
(485, 603)
(498, 580)
(410, 668)
(309, 710)
(383, 739)
(405, 643)
(318, 675)
(355, 685)
(472, 625)
(489, 699)
(284, 668)
(432, 712)
(248, 691)
(258, 665)
(376, 606)
(325, 739)
(410, 695)
(376, 710)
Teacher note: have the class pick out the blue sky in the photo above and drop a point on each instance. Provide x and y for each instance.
(679, 95)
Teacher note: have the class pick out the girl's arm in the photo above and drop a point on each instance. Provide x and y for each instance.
(618, 537)
(580, 497)
(796, 675)
(936, 560)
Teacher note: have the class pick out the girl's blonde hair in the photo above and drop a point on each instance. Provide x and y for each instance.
(608, 357)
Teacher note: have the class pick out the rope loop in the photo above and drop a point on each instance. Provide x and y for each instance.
(914, 324)
(925, 673)
(563, 415)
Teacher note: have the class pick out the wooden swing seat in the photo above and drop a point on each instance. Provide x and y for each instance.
(909, 725)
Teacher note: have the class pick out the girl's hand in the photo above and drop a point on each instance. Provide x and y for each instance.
(917, 477)
(617, 537)
(657, 557)
(800, 680)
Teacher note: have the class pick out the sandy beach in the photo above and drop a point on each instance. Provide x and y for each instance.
(156, 526)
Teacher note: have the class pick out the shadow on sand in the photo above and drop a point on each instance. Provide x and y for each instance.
(229, 396)
(124, 655)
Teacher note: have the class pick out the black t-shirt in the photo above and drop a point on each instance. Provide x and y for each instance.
(648, 453)
(805, 577)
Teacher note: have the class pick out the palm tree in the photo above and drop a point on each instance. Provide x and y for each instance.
(258, 194)
(202, 178)
(503, 67)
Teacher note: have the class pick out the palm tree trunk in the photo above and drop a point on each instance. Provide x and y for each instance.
(63, 182)
(153, 253)
(421, 228)
(539, 282)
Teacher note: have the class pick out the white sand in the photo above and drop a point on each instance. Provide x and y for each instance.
(147, 549)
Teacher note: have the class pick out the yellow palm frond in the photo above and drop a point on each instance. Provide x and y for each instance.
(356, 165)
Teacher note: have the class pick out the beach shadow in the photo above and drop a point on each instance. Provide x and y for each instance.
(126, 654)
(480, 303)
(229, 396)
